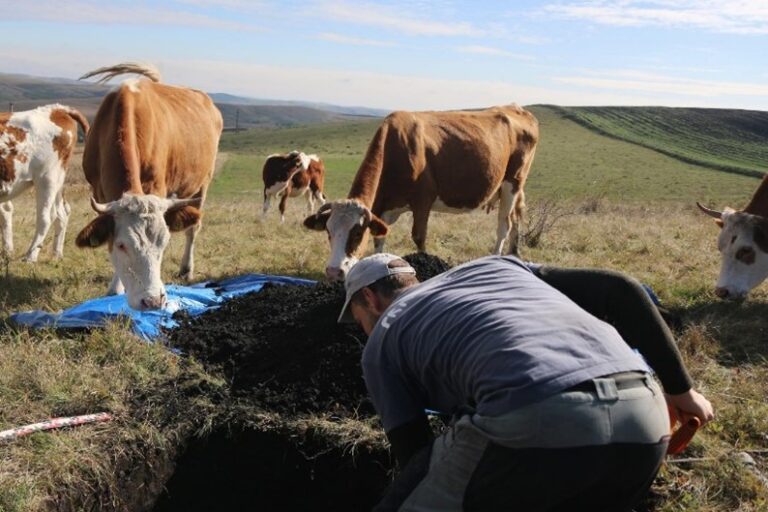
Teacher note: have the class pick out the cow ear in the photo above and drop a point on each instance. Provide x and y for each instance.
(97, 232)
(317, 221)
(760, 234)
(377, 226)
(179, 219)
(719, 223)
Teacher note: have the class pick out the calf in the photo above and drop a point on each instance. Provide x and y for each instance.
(292, 175)
(35, 148)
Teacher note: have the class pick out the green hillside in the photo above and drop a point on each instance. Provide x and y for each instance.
(727, 140)
(571, 162)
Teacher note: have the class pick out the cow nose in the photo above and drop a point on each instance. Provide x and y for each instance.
(721, 292)
(156, 302)
(334, 274)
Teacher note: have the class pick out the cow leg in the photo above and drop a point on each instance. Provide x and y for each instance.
(116, 286)
(187, 269)
(283, 200)
(320, 197)
(389, 218)
(419, 228)
(311, 201)
(45, 195)
(61, 212)
(267, 203)
(516, 217)
(6, 226)
(506, 207)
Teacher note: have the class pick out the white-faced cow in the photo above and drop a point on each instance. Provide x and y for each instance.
(743, 243)
(422, 161)
(149, 157)
(35, 148)
(293, 175)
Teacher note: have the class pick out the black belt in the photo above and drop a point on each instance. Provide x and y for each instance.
(624, 380)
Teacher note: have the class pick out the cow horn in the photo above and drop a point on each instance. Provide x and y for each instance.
(173, 203)
(101, 208)
(325, 207)
(712, 213)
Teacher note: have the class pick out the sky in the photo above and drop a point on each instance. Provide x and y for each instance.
(412, 54)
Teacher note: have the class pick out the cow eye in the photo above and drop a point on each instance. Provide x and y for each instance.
(734, 238)
(122, 247)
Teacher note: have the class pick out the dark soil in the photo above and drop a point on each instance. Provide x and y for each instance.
(426, 265)
(283, 349)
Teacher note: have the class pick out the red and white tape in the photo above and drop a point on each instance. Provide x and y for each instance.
(53, 423)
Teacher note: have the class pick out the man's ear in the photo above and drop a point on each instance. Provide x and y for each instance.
(373, 300)
(97, 232)
(179, 219)
(377, 226)
(317, 221)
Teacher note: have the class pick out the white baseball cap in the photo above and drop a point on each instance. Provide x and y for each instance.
(366, 272)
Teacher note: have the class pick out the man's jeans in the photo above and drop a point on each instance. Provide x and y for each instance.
(577, 450)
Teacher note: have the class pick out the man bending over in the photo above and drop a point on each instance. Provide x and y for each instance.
(552, 408)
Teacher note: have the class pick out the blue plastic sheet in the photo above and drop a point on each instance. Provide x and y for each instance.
(194, 299)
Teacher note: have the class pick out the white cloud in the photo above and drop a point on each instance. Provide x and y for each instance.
(644, 82)
(357, 41)
(98, 12)
(489, 50)
(397, 20)
(739, 16)
(390, 91)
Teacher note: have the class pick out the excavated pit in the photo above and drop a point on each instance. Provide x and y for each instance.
(261, 470)
(298, 431)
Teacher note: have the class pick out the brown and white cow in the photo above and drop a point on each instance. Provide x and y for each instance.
(35, 148)
(293, 175)
(743, 243)
(149, 157)
(423, 161)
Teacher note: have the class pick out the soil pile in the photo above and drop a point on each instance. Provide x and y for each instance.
(283, 350)
(426, 265)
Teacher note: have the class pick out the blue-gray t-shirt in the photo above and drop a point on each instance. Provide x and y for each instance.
(489, 335)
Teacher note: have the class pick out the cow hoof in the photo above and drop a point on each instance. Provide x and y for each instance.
(58, 255)
(185, 275)
(29, 259)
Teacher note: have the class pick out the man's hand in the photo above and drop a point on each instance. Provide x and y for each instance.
(691, 403)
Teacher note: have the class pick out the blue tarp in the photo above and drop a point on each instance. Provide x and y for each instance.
(194, 299)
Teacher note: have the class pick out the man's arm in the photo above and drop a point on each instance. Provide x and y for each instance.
(623, 302)
(409, 438)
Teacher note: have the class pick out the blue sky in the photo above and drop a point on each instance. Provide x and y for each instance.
(416, 54)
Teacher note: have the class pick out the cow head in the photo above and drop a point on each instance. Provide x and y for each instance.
(137, 229)
(743, 243)
(347, 223)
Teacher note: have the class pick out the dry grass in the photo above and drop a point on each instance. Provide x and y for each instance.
(669, 246)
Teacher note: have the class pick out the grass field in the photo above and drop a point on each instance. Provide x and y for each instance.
(618, 205)
(728, 140)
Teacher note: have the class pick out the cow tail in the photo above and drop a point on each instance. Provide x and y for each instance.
(80, 119)
(366, 180)
(109, 72)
